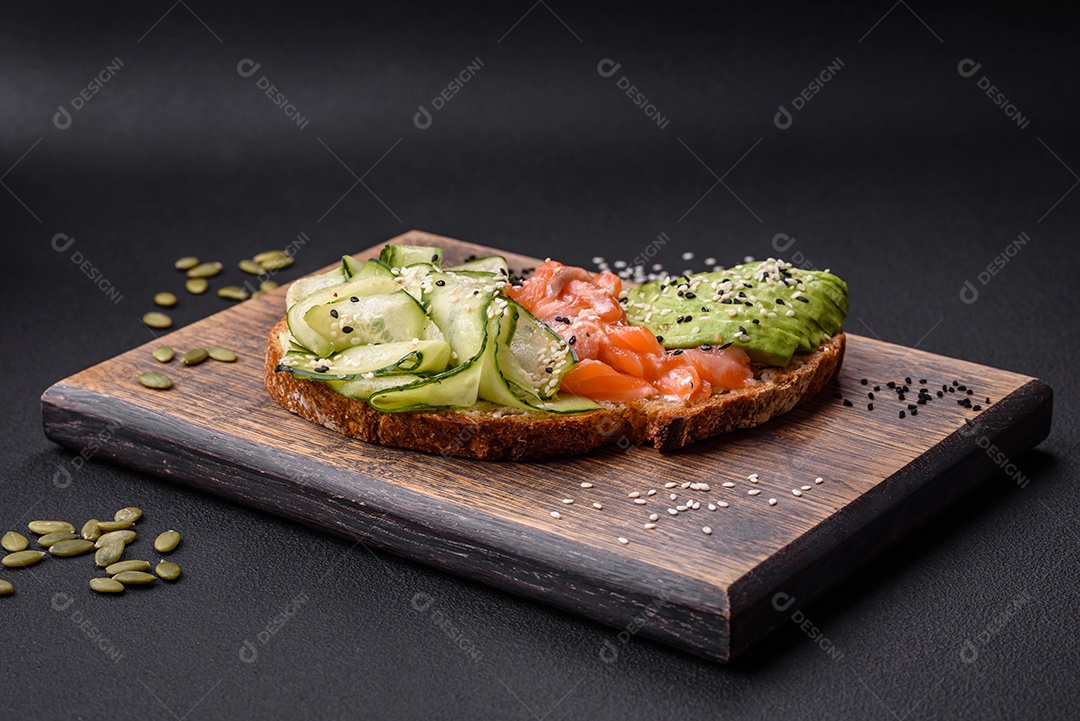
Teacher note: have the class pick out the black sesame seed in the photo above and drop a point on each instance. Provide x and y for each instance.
(704, 309)
(726, 345)
(901, 397)
(677, 352)
(914, 411)
(838, 395)
(877, 388)
(354, 299)
(573, 340)
(869, 406)
(848, 403)
(890, 384)
(902, 414)
(440, 283)
(907, 380)
(940, 394)
(864, 381)
(726, 301)
(706, 346)
(549, 369)
(659, 339)
(870, 396)
(346, 329)
(922, 381)
(976, 408)
(691, 295)
(321, 369)
(912, 407)
(780, 301)
(803, 299)
(970, 392)
(434, 257)
(756, 321)
(742, 330)
(333, 313)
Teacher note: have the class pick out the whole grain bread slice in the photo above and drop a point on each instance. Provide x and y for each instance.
(498, 434)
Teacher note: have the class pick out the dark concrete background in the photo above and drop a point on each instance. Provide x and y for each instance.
(900, 174)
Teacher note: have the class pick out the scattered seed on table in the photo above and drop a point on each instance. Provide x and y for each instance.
(722, 504)
(131, 513)
(75, 547)
(752, 477)
(6, 589)
(796, 492)
(165, 300)
(106, 585)
(670, 484)
(158, 381)
(134, 578)
(586, 484)
(43, 527)
(654, 516)
(233, 292)
(90, 530)
(685, 485)
(50, 538)
(728, 484)
(119, 525)
(196, 286)
(109, 554)
(195, 356)
(672, 511)
(652, 492)
(168, 570)
(753, 492)
(250, 266)
(277, 263)
(597, 506)
(154, 319)
(266, 255)
(122, 566)
(680, 509)
(819, 480)
(163, 353)
(623, 541)
(633, 494)
(650, 526)
(222, 354)
(706, 530)
(554, 514)
(673, 496)
(186, 263)
(125, 536)
(772, 501)
(22, 559)
(806, 488)
(205, 270)
(568, 501)
(640, 501)
(14, 542)
(268, 285)
(711, 506)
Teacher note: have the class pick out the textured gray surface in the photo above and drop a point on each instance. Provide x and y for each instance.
(900, 175)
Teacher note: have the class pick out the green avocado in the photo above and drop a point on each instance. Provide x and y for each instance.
(769, 308)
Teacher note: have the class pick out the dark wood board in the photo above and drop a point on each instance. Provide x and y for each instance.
(218, 430)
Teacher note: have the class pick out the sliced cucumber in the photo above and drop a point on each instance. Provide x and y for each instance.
(306, 286)
(359, 287)
(420, 357)
(353, 268)
(534, 345)
(383, 318)
(362, 388)
(400, 256)
(492, 264)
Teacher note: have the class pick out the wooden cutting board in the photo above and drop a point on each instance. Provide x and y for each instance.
(218, 430)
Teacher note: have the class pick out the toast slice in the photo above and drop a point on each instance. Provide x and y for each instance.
(493, 433)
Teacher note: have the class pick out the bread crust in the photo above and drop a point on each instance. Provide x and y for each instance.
(503, 435)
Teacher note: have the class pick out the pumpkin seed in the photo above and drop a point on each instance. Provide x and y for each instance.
(266, 255)
(131, 513)
(159, 381)
(222, 354)
(168, 570)
(196, 286)
(14, 542)
(233, 292)
(194, 357)
(205, 270)
(124, 537)
(187, 262)
(268, 285)
(127, 566)
(154, 319)
(258, 294)
(165, 300)
(163, 353)
(75, 547)
(250, 266)
(22, 559)
(134, 578)
(50, 538)
(43, 527)
(167, 541)
(109, 554)
(106, 585)
(281, 261)
(120, 525)
(90, 530)
(6, 589)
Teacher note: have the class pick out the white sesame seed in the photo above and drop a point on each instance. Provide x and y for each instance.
(623, 541)
(712, 507)
(753, 480)
(706, 530)
(728, 484)
(652, 492)
(680, 508)
(650, 526)
(722, 504)
(753, 477)
(634, 494)
(772, 501)
(586, 485)
(819, 480)
(806, 488)
(568, 501)
(673, 496)
(748, 259)
(693, 486)
(710, 261)
(654, 516)
(597, 260)
(685, 485)
(619, 264)
(672, 511)
(640, 501)
(704, 487)
(753, 492)
(796, 492)
(597, 506)
(556, 514)
(789, 312)
(687, 256)
(670, 484)
(695, 505)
